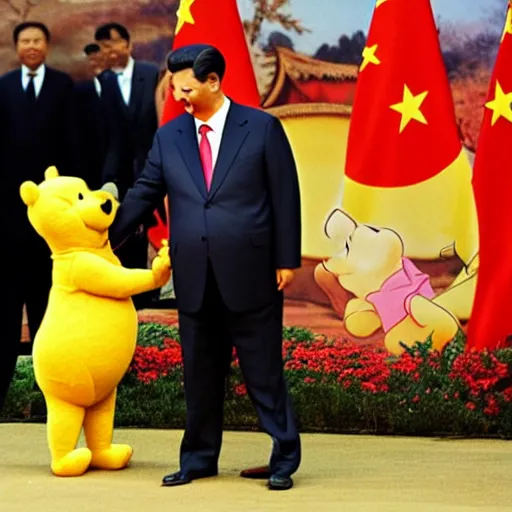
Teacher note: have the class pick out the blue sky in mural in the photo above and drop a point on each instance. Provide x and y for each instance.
(328, 19)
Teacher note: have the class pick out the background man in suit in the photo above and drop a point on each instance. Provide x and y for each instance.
(235, 229)
(128, 93)
(36, 131)
(91, 118)
(95, 59)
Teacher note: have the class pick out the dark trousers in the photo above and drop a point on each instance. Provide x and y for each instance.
(207, 338)
(134, 254)
(26, 280)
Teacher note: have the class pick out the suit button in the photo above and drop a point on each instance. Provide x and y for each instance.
(208, 204)
(203, 239)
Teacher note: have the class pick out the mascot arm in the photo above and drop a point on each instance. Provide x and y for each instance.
(94, 275)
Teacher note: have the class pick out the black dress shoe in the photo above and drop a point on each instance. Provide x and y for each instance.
(260, 473)
(177, 478)
(181, 478)
(280, 483)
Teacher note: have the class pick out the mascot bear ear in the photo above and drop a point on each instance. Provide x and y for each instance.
(29, 193)
(51, 173)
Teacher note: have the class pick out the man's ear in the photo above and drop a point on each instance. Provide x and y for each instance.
(29, 193)
(214, 80)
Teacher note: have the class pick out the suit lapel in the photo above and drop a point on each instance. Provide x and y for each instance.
(137, 90)
(18, 88)
(233, 136)
(44, 87)
(110, 87)
(189, 149)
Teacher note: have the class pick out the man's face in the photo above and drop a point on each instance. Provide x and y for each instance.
(116, 50)
(196, 97)
(96, 63)
(32, 47)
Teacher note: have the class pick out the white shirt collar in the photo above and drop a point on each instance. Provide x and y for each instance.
(127, 72)
(39, 71)
(218, 120)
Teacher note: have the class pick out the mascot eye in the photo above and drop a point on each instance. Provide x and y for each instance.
(80, 196)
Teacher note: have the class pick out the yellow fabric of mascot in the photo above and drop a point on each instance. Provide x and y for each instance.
(88, 335)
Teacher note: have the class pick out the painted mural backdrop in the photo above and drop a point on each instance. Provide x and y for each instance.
(308, 58)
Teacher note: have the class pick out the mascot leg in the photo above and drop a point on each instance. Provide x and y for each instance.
(64, 424)
(98, 427)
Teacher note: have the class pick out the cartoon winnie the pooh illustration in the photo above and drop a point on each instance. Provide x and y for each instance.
(88, 335)
(389, 292)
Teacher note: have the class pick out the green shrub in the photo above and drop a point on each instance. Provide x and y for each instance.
(336, 386)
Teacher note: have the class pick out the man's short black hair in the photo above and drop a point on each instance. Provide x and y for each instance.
(203, 59)
(91, 49)
(103, 33)
(30, 24)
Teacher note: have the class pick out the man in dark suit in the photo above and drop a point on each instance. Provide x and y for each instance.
(231, 180)
(36, 131)
(128, 93)
(91, 119)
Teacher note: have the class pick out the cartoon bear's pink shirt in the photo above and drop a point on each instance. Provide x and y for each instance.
(392, 301)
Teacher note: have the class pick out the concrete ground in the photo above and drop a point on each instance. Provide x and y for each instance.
(338, 474)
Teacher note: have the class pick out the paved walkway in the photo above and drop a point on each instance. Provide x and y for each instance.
(338, 474)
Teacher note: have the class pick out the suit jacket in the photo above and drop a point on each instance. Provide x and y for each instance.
(32, 139)
(93, 133)
(131, 127)
(247, 225)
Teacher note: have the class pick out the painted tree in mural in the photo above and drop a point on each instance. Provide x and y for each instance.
(23, 7)
(348, 50)
(273, 12)
(469, 58)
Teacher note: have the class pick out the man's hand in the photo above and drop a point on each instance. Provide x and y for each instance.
(284, 277)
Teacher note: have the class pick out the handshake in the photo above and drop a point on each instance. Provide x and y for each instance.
(161, 266)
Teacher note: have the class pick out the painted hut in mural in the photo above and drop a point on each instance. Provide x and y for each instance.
(314, 101)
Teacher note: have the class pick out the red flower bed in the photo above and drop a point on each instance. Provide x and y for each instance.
(336, 383)
(152, 363)
(336, 386)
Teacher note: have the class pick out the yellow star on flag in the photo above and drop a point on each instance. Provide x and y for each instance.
(500, 105)
(184, 15)
(379, 3)
(508, 23)
(369, 56)
(410, 108)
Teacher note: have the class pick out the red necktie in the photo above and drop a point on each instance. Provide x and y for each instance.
(205, 152)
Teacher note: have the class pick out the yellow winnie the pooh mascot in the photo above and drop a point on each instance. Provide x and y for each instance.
(88, 335)
(389, 291)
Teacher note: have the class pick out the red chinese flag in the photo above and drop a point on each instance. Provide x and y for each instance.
(403, 101)
(405, 167)
(491, 320)
(217, 23)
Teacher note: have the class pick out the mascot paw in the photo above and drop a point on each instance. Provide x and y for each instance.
(161, 266)
(116, 457)
(75, 463)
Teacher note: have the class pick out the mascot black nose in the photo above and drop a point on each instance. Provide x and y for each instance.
(107, 206)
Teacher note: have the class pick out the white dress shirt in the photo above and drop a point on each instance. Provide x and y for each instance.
(124, 79)
(38, 79)
(97, 86)
(216, 123)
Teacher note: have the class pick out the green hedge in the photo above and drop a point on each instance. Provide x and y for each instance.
(336, 386)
